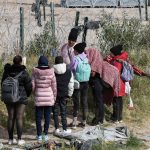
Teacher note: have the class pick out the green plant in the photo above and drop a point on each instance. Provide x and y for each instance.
(132, 33)
(134, 143)
(43, 43)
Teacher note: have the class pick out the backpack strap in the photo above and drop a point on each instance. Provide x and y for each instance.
(18, 75)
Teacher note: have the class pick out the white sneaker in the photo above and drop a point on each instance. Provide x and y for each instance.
(57, 131)
(68, 131)
(21, 142)
(10, 142)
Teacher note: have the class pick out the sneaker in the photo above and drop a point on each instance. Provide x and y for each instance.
(46, 138)
(10, 142)
(21, 142)
(73, 126)
(39, 138)
(121, 121)
(116, 122)
(57, 131)
(67, 131)
(82, 125)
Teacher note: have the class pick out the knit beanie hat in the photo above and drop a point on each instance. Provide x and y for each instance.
(80, 47)
(73, 34)
(43, 61)
(116, 50)
(59, 60)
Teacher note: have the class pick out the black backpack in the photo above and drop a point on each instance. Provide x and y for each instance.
(10, 89)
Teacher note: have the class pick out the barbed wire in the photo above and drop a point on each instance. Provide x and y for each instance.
(64, 21)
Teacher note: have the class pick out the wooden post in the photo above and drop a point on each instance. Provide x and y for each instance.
(77, 18)
(139, 5)
(85, 29)
(44, 13)
(146, 10)
(52, 19)
(21, 29)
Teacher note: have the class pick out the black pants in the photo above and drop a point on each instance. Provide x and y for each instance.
(39, 115)
(80, 98)
(15, 114)
(97, 89)
(60, 103)
(117, 108)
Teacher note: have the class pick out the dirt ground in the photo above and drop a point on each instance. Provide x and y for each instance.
(142, 132)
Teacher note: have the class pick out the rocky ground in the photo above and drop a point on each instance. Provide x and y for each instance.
(142, 132)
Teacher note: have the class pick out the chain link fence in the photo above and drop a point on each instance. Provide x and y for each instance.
(63, 20)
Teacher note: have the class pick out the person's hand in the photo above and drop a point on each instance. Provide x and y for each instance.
(93, 73)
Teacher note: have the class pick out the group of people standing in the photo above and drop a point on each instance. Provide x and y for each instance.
(74, 70)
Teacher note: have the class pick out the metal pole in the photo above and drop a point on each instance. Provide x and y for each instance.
(85, 29)
(77, 18)
(52, 19)
(146, 10)
(140, 14)
(21, 29)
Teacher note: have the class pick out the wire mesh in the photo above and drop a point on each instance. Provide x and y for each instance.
(64, 19)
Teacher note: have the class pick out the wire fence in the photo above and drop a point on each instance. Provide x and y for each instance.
(64, 20)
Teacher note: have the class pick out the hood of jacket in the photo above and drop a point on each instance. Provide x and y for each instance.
(43, 72)
(12, 70)
(60, 68)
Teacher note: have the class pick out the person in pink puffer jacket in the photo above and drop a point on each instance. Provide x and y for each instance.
(45, 91)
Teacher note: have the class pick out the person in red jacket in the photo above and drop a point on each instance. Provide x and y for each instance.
(115, 58)
(117, 54)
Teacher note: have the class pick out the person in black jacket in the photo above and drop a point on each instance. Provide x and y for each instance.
(16, 110)
(65, 87)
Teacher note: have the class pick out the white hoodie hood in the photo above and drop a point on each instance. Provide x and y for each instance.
(60, 68)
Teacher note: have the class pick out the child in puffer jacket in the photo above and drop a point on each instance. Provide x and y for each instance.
(45, 91)
(65, 87)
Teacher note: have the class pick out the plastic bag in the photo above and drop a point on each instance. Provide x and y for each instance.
(127, 88)
(130, 105)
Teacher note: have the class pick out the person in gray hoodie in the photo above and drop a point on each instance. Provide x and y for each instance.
(65, 87)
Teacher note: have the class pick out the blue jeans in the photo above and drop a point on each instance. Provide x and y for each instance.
(39, 115)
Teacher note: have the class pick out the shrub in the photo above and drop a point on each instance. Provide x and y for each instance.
(44, 43)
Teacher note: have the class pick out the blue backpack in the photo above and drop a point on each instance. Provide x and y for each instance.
(127, 72)
(83, 70)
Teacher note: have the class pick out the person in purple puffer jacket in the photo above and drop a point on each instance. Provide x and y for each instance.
(45, 91)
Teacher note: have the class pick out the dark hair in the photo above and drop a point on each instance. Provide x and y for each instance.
(17, 60)
(116, 50)
(59, 60)
(80, 47)
(73, 35)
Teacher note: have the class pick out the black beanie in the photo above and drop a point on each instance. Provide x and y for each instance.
(73, 34)
(116, 50)
(59, 60)
(43, 61)
(80, 47)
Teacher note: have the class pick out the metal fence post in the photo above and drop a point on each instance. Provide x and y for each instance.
(21, 29)
(85, 29)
